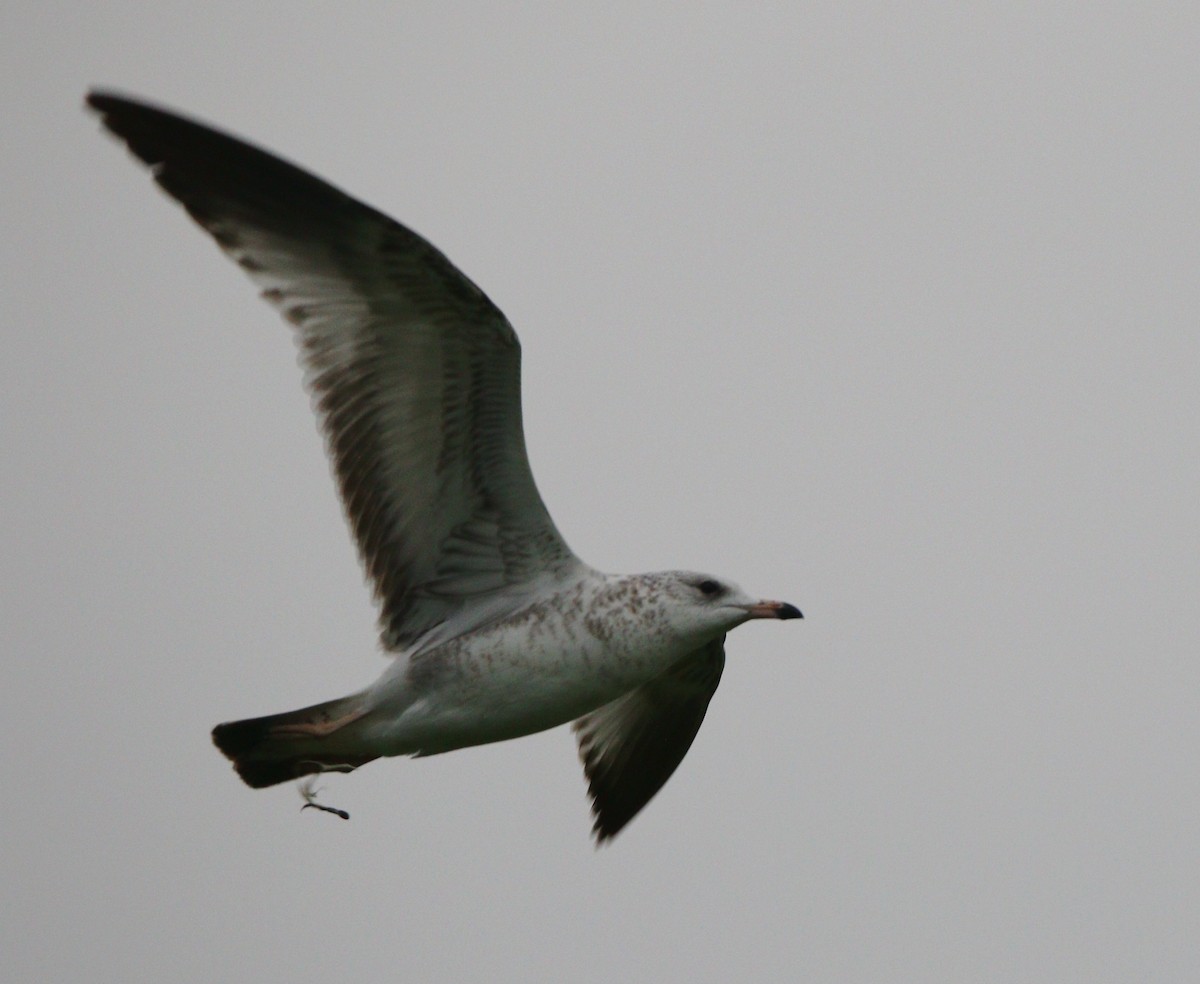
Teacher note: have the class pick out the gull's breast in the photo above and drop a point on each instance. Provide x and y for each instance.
(549, 663)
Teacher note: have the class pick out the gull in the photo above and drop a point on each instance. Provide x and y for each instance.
(495, 628)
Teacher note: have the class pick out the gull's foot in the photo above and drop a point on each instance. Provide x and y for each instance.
(309, 792)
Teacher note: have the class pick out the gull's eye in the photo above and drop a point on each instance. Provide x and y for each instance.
(709, 588)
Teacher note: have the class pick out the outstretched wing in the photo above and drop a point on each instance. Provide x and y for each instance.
(631, 746)
(414, 373)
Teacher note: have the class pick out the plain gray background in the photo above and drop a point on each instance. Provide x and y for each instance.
(888, 310)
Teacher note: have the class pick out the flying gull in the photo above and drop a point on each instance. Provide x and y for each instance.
(496, 628)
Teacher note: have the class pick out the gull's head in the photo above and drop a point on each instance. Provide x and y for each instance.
(701, 604)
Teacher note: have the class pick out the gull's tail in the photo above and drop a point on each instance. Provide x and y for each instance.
(281, 747)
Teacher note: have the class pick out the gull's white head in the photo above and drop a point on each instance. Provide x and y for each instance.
(705, 606)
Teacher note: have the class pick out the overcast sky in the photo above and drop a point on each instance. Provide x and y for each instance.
(888, 310)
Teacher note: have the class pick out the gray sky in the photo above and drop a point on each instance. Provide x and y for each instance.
(888, 310)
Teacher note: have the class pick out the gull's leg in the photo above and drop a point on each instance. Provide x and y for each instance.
(308, 790)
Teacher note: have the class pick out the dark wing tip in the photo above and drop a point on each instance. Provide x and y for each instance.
(158, 136)
(610, 814)
(224, 181)
(101, 101)
(133, 120)
(632, 746)
(606, 825)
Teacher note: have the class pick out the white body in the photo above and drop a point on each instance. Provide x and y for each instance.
(548, 663)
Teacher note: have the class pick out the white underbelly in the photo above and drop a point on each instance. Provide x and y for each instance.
(486, 689)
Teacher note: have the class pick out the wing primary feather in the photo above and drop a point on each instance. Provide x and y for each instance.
(414, 373)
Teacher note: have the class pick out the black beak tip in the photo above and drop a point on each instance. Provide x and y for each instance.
(789, 611)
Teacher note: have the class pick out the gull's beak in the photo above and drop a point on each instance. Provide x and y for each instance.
(773, 609)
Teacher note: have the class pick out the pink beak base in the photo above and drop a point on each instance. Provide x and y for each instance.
(774, 609)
